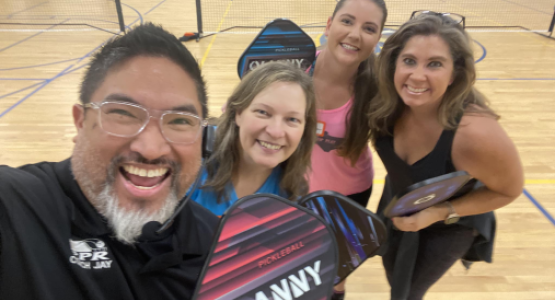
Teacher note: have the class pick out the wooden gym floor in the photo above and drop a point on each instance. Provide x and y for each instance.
(41, 68)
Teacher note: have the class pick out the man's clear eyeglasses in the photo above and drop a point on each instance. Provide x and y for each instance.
(451, 17)
(128, 120)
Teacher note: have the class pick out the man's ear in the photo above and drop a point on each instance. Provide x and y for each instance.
(78, 118)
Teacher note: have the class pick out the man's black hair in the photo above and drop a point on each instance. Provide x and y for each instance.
(144, 40)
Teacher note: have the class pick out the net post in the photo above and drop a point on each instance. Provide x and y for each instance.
(550, 30)
(199, 18)
(120, 16)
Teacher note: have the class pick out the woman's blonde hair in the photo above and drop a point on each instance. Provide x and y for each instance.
(461, 95)
(225, 159)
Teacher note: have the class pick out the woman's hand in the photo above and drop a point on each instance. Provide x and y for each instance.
(422, 219)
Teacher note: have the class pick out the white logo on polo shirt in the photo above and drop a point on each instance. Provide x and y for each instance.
(90, 254)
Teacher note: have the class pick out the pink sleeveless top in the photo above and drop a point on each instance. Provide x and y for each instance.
(331, 171)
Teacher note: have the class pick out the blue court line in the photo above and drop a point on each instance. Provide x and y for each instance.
(146, 13)
(50, 17)
(29, 37)
(21, 90)
(26, 9)
(41, 65)
(517, 79)
(100, 20)
(539, 206)
(5, 17)
(46, 82)
(41, 79)
(62, 73)
(75, 69)
(484, 52)
(24, 98)
(130, 24)
(138, 13)
(543, 12)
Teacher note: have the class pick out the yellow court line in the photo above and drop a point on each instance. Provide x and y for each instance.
(215, 35)
(527, 181)
(539, 181)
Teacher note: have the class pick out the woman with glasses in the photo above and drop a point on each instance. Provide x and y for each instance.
(263, 140)
(429, 120)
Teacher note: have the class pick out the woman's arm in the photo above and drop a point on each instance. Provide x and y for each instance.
(483, 149)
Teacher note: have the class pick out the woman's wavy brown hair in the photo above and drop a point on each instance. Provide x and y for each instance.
(365, 88)
(225, 159)
(460, 96)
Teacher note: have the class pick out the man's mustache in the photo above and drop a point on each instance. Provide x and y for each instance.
(135, 157)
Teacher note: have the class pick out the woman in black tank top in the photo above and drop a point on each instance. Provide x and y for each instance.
(429, 120)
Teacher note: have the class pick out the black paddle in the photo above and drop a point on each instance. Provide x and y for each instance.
(279, 40)
(430, 192)
(359, 232)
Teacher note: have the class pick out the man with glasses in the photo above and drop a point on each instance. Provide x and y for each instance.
(89, 227)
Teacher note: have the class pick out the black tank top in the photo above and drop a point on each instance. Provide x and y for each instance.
(401, 175)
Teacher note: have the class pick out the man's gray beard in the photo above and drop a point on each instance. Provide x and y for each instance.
(126, 224)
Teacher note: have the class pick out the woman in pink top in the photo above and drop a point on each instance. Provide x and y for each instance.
(344, 84)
